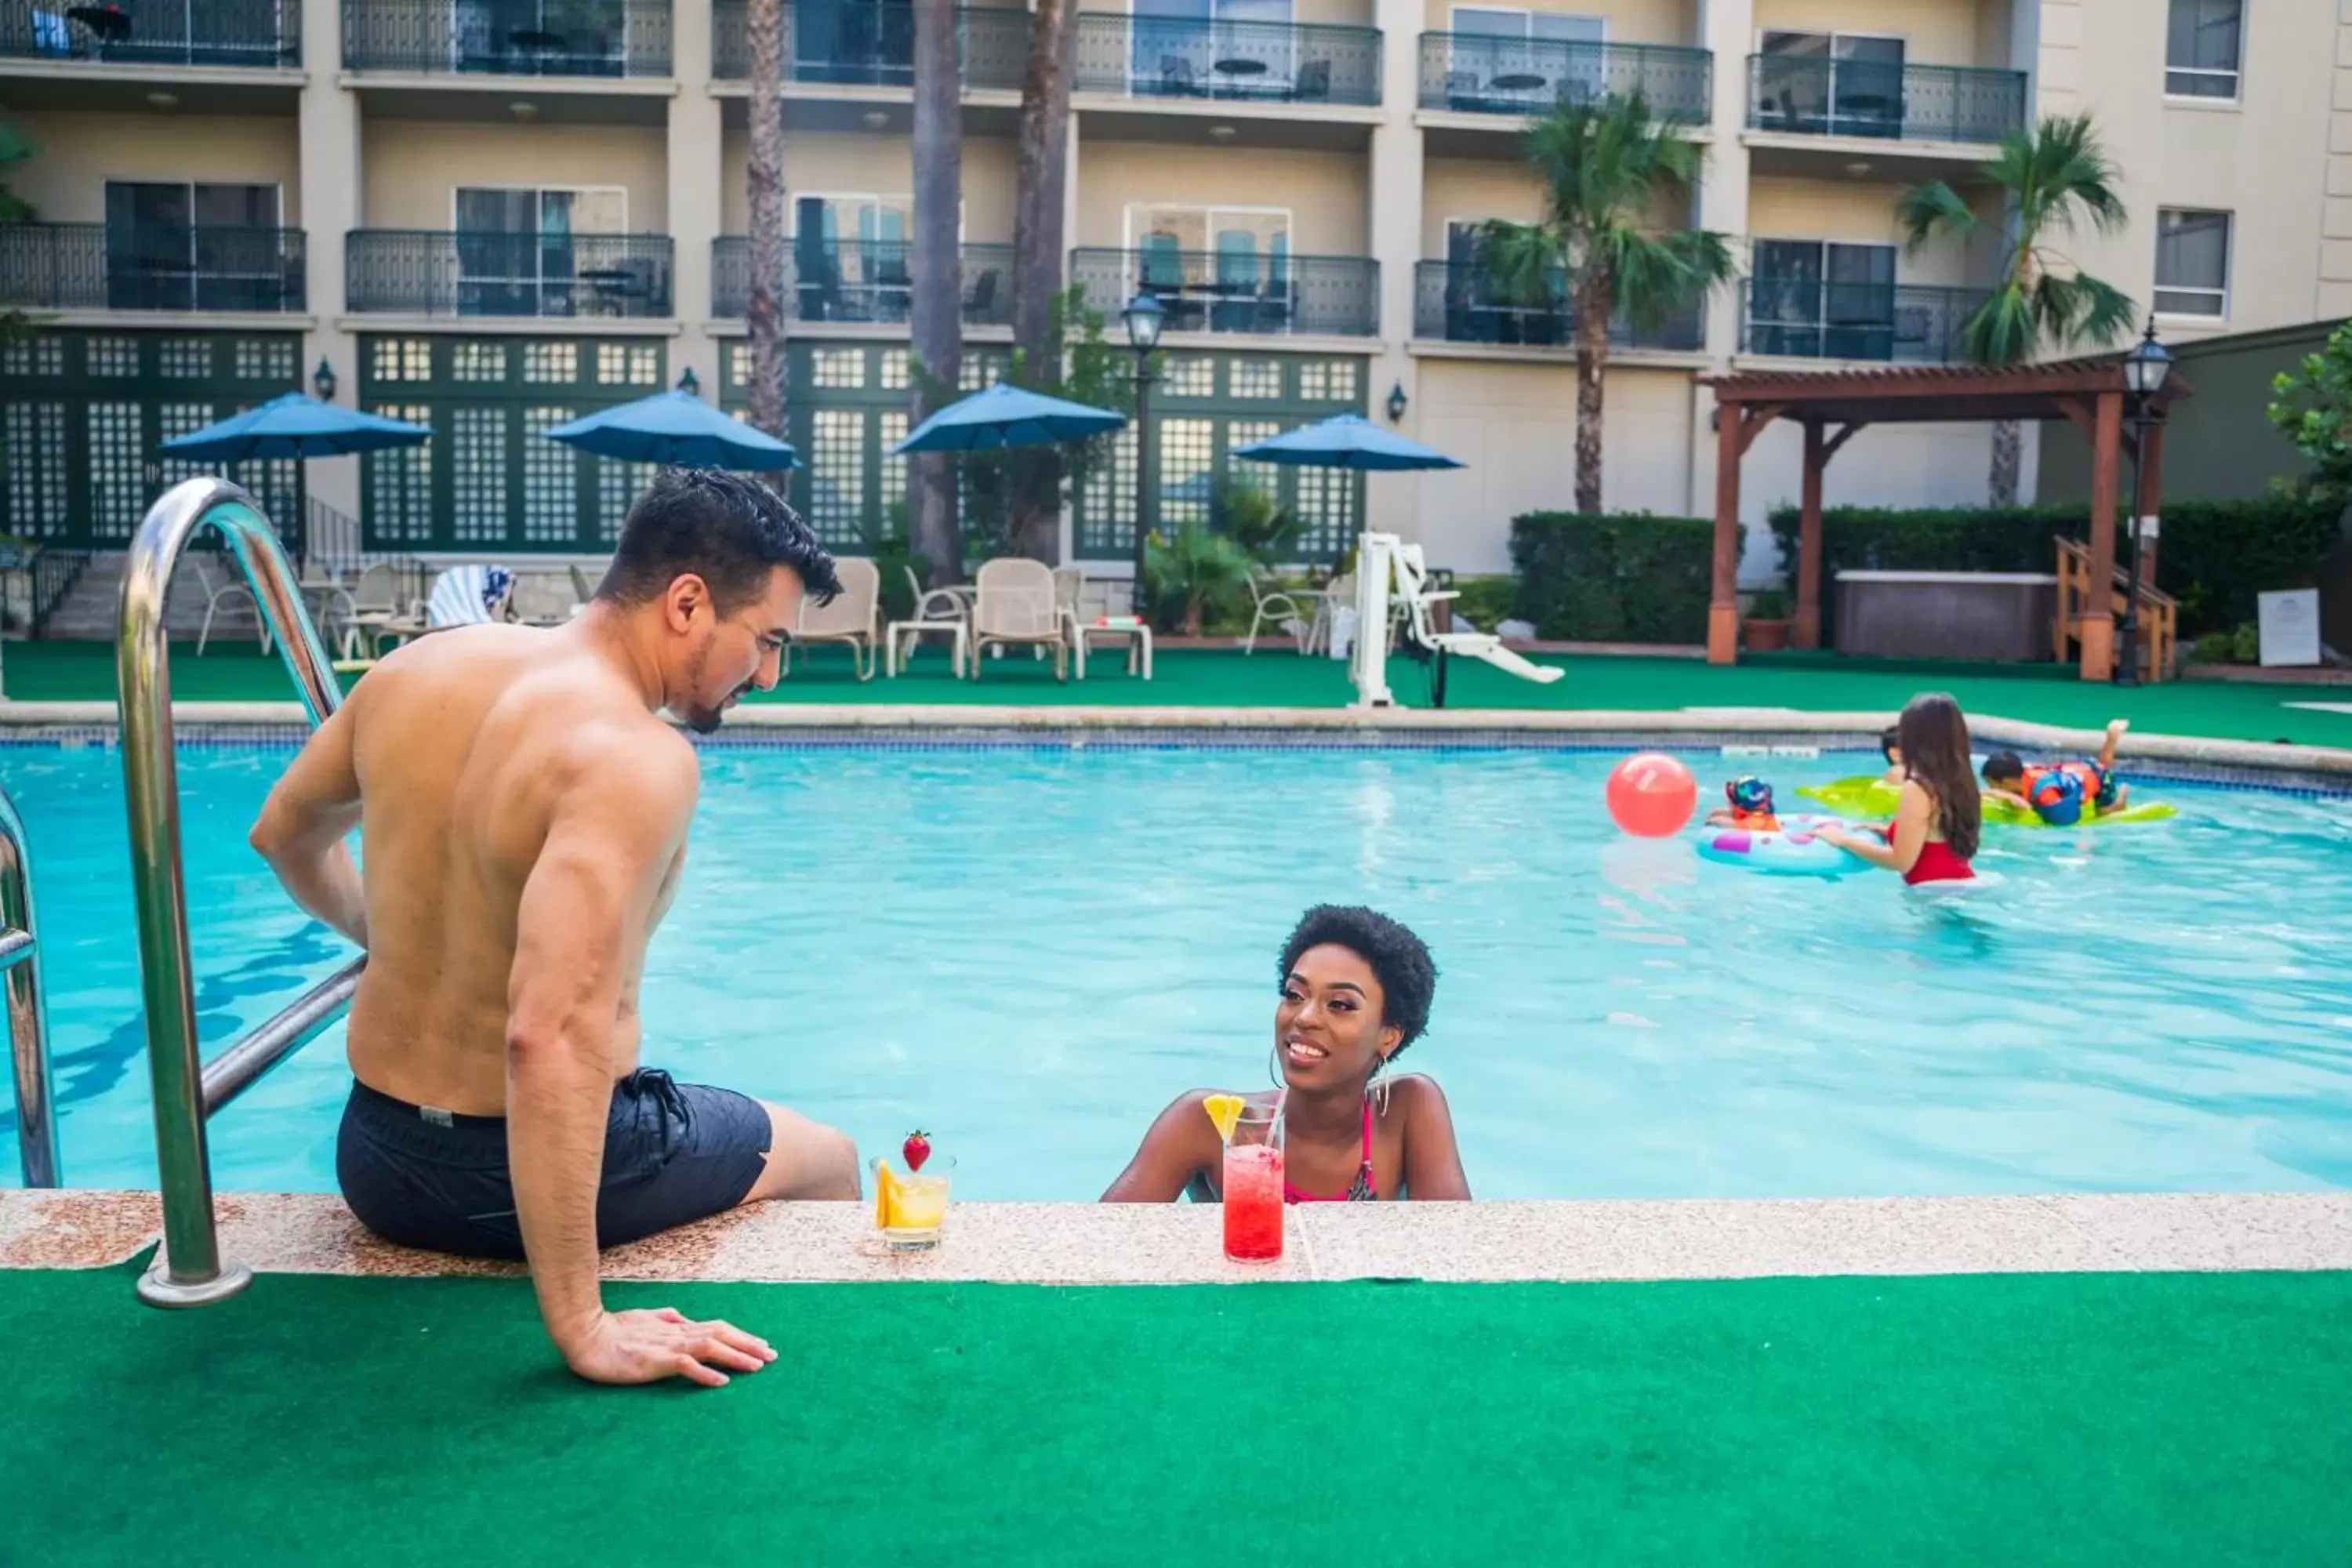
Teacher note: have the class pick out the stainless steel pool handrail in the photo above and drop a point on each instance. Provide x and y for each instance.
(190, 1271)
(28, 1017)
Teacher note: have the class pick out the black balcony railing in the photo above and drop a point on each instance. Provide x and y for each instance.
(1463, 302)
(1482, 75)
(509, 37)
(244, 34)
(427, 272)
(857, 281)
(854, 44)
(1270, 62)
(1238, 291)
(1812, 319)
(1809, 97)
(150, 267)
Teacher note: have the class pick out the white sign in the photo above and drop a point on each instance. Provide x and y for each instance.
(2289, 627)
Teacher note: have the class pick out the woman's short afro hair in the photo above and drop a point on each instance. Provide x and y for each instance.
(1399, 959)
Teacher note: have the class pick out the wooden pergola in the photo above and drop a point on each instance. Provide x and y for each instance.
(1833, 405)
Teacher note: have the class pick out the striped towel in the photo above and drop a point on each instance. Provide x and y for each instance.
(468, 595)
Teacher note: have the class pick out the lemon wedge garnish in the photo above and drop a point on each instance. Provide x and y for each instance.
(1224, 1109)
(885, 1195)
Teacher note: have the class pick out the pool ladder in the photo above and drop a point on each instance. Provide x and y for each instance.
(190, 1271)
(29, 1021)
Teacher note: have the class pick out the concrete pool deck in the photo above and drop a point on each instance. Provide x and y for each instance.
(1178, 1244)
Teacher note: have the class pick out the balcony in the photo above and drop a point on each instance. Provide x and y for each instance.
(1276, 294)
(864, 45)
(857, 281)
(509, 37)
(1474, 74)
(1890, 322)
(1460, 302)
(427, 272)
(249, 35)
(88, 267)
(1792, 95)
(1262, 62)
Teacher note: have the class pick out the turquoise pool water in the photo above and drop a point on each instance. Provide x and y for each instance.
(1028, 951)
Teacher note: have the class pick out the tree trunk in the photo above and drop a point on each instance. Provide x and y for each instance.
(2007, 456)
(1038, 249)
(1593, 305)
(764, 27)
(936, 281)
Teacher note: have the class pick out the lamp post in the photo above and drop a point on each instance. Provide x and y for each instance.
(1144, 316)
(323, 380)
(2145, 369)
(689, 382)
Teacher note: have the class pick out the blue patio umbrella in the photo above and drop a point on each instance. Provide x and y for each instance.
(295, 425)
(1007, 415)
(675, 428)
(1344, 441)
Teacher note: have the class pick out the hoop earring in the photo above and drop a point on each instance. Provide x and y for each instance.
(1377, 1089)
(1274, 1067)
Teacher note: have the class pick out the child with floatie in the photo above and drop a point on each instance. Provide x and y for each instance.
(2062, 793)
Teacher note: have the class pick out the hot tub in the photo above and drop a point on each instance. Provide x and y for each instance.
(1947, 615)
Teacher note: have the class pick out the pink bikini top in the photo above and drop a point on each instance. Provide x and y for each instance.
(1360, 1191)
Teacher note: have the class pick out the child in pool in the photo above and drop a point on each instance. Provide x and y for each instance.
(1750, 806)
(1939, 816)
(2062, 793)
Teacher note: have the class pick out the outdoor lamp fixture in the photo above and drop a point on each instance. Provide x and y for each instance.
(323, 380)
(1396, 403)
(690, 384)
(1144, 317)
(2145, 369)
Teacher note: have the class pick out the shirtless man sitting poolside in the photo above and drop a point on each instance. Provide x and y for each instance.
(523, 812)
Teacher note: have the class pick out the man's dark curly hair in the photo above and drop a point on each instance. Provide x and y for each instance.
(726, 529)
(1399, 959)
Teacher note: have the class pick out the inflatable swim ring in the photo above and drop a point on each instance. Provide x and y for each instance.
(1869, 796)
(1795, 851)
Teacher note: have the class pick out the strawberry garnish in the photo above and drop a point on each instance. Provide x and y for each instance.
(918, 1149)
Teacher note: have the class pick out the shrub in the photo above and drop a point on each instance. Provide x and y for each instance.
(1771, 605)
(2213, 647)
(2213, 557)
(1614, 576)
(1486, 602)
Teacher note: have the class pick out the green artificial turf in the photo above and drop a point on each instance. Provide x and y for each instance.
(1278, 678)
(2064, 1419)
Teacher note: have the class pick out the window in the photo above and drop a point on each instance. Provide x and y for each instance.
(2201, 48)
(2192, 263)
(1829, 84)
(1211, 267)
(1822, 299)
(176, 246)
(523, 252)
(1238, 48)
(849, 257)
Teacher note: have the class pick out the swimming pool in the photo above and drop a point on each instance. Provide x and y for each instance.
(1029, 949)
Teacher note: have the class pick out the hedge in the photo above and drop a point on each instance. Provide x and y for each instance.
(1614, 576)
(2213, 556)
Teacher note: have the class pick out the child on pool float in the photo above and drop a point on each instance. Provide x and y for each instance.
(1356, 989)
(1751, 807)
(1939, 817)
(2060, 793)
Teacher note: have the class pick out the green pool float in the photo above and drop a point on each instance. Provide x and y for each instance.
(1870, 796)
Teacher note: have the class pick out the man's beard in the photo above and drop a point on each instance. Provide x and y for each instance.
(701, 721)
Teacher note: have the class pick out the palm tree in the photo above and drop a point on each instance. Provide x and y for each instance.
(2054, 178)
(763, 31)
(936, 308)
(1601, 165)
(1042, 178)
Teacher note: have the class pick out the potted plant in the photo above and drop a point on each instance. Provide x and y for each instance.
(1766, 628)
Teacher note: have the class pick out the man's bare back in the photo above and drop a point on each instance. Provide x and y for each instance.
(466, 745)
(523, 812)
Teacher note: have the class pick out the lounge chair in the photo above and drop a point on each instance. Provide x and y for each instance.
(851, 618)
(1413, 588)
(467, 596)
(1013, 603)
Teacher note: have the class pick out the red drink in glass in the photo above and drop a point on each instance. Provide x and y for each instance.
(1252, 1202)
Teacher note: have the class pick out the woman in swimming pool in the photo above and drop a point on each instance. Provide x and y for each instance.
(1356, 989)
(1938, 815)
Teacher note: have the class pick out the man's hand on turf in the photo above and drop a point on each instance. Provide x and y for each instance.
(647, 1346)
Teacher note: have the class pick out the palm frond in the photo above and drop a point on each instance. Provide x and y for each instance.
(1523, 262)
(2079, 310)
(1922, 212)
(1653, 278)
(2003, 330)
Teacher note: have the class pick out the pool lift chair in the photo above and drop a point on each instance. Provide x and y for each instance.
(1379, 556)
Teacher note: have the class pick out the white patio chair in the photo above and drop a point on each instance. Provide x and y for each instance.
(1276, 608)
(936, 610)
(373, 605)
(850, 619)
(1014, 605)
(219, 594)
